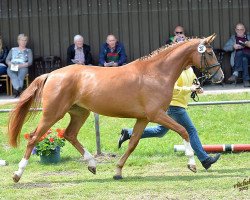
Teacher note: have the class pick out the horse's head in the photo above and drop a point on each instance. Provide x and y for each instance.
(206, 60)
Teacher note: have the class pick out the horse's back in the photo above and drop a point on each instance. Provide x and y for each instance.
(95, 88)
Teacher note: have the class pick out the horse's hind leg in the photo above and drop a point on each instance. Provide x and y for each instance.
(78, 117)
(50, 116)
(45, 123)
(133, 142)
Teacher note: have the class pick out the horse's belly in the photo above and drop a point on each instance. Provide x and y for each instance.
(115, 109)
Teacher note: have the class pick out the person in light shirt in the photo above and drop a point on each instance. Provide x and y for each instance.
(79, 53)
(18, 60)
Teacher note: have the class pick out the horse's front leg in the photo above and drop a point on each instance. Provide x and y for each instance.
(163, 119)
(134, 140)
(191, 161)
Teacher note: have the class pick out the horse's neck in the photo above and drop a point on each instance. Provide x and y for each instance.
(172, 63)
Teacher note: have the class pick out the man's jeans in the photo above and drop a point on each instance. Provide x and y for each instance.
(241, 61)
(3, 69)
(17, 78)
(180, 115)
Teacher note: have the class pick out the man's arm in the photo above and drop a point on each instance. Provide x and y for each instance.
(229, 46)
(102, 56)
(247, 43)
(69, 56)
(88, 56)
(123, 56)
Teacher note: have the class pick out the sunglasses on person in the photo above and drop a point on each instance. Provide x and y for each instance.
(178, 32)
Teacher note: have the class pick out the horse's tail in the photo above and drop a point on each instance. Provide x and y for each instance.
(30, 97)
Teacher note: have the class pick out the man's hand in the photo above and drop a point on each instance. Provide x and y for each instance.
(111, 64)
(199, 90)
(179, 38)
(22, 65)
(107, 64)
(247, 43)
(238, 46)
(115, 64)
(196, 88)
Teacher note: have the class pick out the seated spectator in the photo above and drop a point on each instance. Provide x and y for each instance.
(18, 61)
(179, 35)
(240, 57)
(79, 53)
(112, 53)
(3, 55)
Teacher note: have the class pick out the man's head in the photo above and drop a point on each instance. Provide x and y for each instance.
(111, 41)
(179, 33)
(240, 30)
(78, 41)
(179, 30)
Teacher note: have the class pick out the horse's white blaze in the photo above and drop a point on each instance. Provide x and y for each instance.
(23, 163)
(89, 158)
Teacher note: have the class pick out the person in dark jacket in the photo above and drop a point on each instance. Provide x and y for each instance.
(79, 53)
(240, 56)
(112, 53)
(3, 55)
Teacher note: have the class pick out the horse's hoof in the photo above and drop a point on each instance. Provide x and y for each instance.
(92, 169)
(192, 168)
(16, 178)
(117, 177)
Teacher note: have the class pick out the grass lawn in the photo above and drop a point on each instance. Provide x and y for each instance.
(153, 171)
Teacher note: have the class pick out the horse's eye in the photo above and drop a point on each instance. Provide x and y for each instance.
(210, 53)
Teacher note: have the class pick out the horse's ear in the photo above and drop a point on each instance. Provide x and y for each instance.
(210, 39)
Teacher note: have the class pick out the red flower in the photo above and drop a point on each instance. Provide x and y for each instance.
(48, 141)
(26, 136)
(60, 132)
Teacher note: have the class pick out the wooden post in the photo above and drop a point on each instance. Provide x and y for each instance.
(98, 138)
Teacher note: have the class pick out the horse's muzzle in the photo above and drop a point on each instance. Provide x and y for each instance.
(218, 77)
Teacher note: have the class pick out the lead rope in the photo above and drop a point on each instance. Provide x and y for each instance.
(194, 94)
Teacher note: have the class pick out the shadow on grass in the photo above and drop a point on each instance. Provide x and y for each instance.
(48, 184)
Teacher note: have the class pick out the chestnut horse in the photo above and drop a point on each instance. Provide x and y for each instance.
(141, 89)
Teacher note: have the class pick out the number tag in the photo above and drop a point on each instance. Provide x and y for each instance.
(201, 48)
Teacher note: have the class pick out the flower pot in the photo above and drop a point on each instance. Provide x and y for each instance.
(54, 157)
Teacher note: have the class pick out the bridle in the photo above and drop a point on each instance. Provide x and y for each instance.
(206, 75)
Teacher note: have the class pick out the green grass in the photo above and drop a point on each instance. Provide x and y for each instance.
(153, 171)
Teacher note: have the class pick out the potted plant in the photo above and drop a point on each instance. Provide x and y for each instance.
(49, 146)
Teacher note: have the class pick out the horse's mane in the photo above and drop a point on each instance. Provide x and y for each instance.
(167, 47)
